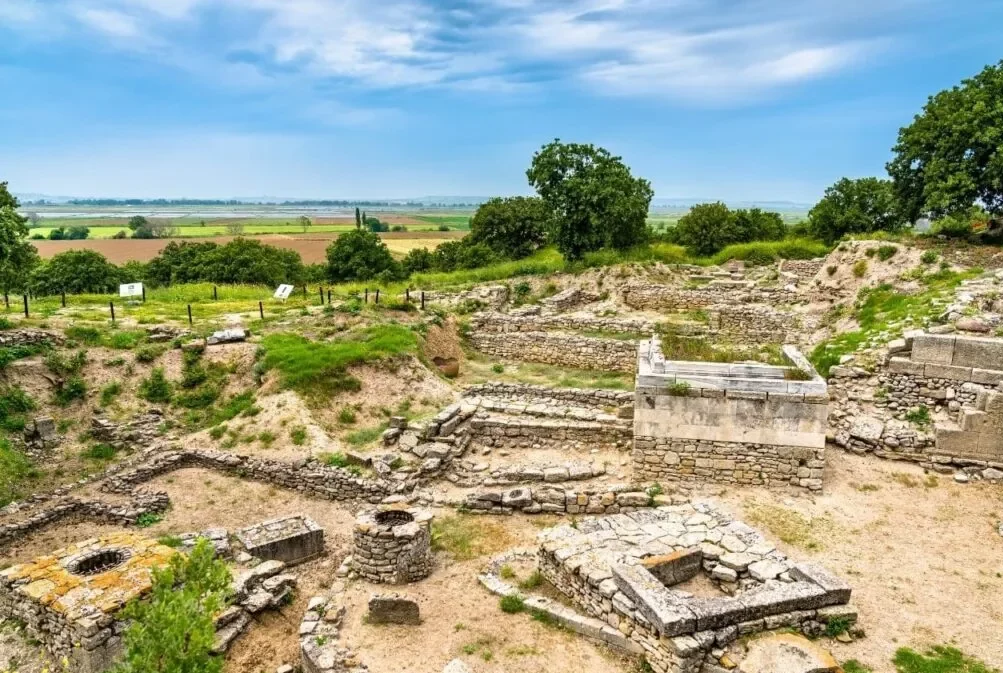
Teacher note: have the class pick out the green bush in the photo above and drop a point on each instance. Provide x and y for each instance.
(75, 272)
(217, 431)
(512, 604)
(360, 255)
(15, 473)
(5, 323)
(856, 207)
(238, 262)
(110, 392)
(172, 630)
(87, 335)
(958, 225)
(100, 452)
(156, 388)
(860, 268)
(147, 354)
(14, 402)
(928, 257)
(346, 416)
(709, 227)
(71, 389)
(886, 252)
(298, 435)
(513, 227)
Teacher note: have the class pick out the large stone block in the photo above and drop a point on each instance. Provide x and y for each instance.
(669, 617)
(978, 352)
(674, 568)
(935, 348)
(949, 372)
(905, 366)
(988, 377)
(291, 539)
(393, 609)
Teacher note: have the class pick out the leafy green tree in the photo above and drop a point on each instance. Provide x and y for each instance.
(75, 272)
(855, 207)
(418, 260)
(512, 227)
(707, 228)
(462, 254)
(358, 218)
(759, 225)
(239, 261)
(304, 222)
(17, 255)
(172, 631)
(138, 222)
(951, 156)
(359, 255)
(594, 200)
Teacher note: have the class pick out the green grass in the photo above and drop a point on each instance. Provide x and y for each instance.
(100, 452)
(16, 473)
(854, 666)
(14, 404)
(884, 311)
(512, 604)
(365, 436)
(766, 252)
(318, 368)
(938, 659)
(466, 537)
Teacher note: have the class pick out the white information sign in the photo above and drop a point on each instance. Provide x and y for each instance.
(130, 290)
(284, 291)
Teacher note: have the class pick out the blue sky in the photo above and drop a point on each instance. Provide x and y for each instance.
(729, 99)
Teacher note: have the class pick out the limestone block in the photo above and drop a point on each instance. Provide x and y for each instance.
(978, 352)
(787, 653)
(905, 366)
(950, 372)
(934, 348)
(393, 609)
(989, 377)
(676, 567)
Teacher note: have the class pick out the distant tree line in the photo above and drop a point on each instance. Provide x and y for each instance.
(233, 202)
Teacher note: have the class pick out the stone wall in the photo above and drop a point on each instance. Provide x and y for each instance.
(565, 350)
(606, 566)
(523, 392)
(29, 337)
(979, 433)
(527, 433)
(500, 323)
(803, 269)
(124, 514)
(596, 499)
(681, 460)
(662, 297)
(316, 479)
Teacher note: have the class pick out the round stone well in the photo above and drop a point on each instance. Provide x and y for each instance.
(393, 545)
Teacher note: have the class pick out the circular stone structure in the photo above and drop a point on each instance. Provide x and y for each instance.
(392, 546)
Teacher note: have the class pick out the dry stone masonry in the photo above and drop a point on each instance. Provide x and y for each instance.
(554, 348)
(633, 572)
(742, 424)
(68, 600)
(392, 546)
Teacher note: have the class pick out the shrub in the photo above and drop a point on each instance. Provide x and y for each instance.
(958, 225)
(200, 398)
(928, 257)
(346, 416)
(87, 335)
(110, 392)
(831, 269)
(173, 629)
(72, 389)
(359, 255)
(147, 519)
(512, 604)
(147, 354)
(156, 388)
(13, 403)
(920, 416)
(679, 389)
(298, 435)
(497, 368)
(75, 272)
(126, 339)
(860, 268)
(886, 252)
(15, 472)
(334, 459)
(5, 323)
(418, 260)
(217, 431)
(241, 260)
(791, 248)
(100, 452)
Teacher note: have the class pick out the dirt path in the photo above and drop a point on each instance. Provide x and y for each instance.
(925, 561)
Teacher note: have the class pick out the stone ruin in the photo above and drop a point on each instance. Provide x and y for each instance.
(392, 546)
(292, 539)
(68, 600)
(733, 423)
(682, 584)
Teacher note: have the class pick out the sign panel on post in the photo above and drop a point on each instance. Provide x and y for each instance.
(284, 291)
(130, 290)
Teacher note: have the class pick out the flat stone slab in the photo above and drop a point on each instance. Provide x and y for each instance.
(393, 609)
(787, 653)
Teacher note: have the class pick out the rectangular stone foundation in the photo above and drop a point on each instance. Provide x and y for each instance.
(686, 460)
(291, 539)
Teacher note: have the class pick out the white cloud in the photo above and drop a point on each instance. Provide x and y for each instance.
(713, 51)
(110, 22)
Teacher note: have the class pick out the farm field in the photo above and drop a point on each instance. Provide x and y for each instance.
(311, 247)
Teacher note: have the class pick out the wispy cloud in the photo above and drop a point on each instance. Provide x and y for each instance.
(702, 51)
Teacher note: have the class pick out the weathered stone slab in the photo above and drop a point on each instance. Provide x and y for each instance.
(654, 601)
(292, 539)
(393, 609)
(835, 586)
(950, 372)
(978, 352)
(934, 348)
(787, 653)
